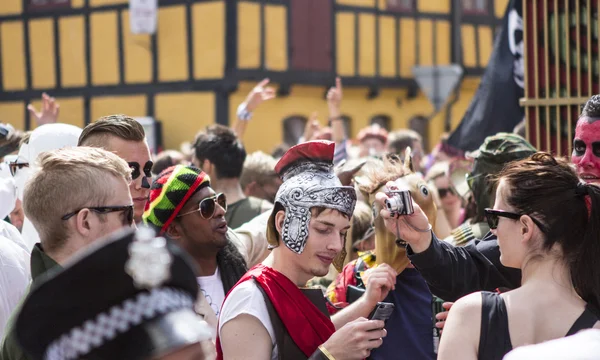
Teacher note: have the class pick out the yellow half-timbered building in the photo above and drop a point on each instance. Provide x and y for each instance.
(206, 55)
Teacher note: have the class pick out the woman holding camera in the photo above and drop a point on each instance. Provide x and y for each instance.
(548, 225)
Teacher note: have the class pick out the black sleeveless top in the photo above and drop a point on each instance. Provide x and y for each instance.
(494, 341)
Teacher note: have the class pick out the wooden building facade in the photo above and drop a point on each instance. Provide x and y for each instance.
(207, 54)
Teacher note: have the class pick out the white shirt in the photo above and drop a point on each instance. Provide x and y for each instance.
(9, 231)
(14, 278)
(247, 298)
(212, 288)
(251, 239)
(585, 345)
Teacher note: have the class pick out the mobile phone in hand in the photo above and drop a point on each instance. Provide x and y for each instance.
(382, 311)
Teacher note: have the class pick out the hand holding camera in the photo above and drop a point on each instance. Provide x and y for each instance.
(404, 217)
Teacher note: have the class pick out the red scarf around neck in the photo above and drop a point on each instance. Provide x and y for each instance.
(305, 323)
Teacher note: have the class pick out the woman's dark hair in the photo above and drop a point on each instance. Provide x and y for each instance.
(549, 190)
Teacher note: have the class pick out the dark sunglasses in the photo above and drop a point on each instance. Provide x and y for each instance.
(128, 209)
(207, 206)
(445, 192)
(493, 217)
(14, 166)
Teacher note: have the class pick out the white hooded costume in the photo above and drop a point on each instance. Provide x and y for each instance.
(44, 138)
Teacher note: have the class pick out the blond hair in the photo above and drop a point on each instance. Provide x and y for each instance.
(65, 180)
(122, 126)
(259, 167)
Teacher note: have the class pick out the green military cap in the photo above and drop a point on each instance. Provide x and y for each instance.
(495, 152)
(502, 148)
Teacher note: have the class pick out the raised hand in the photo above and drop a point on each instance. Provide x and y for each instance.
(414, 229)
(259, 94)
(334, 98)
(48, 113)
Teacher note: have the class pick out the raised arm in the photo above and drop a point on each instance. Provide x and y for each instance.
(261, 92)
(451, 272)
(48, 113)
(334, 102)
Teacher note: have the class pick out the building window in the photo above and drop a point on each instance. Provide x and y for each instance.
(420, 124)
(43, 5)
(400, 5)
(293, 129)
(382, 120)
(475, 7)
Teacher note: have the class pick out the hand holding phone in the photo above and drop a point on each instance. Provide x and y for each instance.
(382, 311)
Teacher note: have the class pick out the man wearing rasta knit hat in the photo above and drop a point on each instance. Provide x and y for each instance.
(306, 232)
(185, 208)
(130, 297)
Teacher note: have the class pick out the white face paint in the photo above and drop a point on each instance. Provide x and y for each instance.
(22, 175)
(44, 138)
(515, 43)
(8, 196)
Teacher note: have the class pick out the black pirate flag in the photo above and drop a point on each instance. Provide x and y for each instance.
(495, 107)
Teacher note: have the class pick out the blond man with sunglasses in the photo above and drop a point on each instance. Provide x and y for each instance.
(184, 207)
(73, 197)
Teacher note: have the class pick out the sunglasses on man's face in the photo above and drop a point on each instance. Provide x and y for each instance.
(443, 192)
(208, 206)
(15, 165)
(493, 218)
(127, 209)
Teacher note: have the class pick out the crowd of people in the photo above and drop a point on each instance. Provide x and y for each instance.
(110, 252)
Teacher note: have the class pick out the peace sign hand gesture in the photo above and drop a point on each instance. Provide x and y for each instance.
(259, 94)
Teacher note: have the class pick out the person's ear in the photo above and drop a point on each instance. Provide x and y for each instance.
(250, 188)
(174, 230)
(527, 227)
(279, 218)
(83, 222)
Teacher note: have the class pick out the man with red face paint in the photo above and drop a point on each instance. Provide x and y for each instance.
(586, 144)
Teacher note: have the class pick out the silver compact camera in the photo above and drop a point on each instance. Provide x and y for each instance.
(399, 202)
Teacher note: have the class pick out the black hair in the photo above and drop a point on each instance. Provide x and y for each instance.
(220, 145)
(591, 108)
(549, 190)
(231, 264)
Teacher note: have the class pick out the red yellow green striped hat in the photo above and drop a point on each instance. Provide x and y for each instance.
(169, 193)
